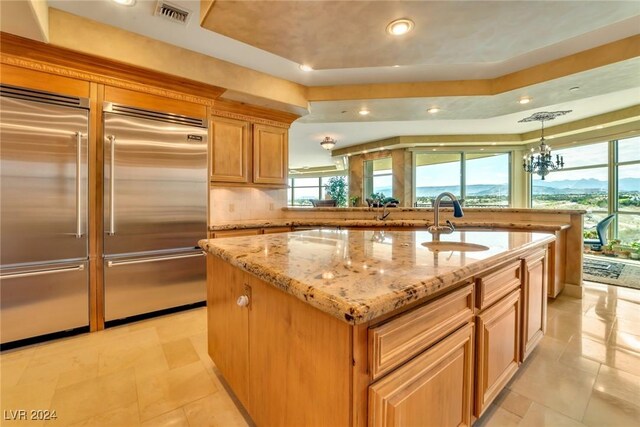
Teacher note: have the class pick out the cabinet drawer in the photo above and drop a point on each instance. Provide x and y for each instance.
(493, 286)
(434, 389)
(401, 338)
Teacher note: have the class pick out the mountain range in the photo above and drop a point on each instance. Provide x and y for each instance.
(569, 186)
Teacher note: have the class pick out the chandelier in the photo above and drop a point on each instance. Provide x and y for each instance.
(542, 162)
(328, 143)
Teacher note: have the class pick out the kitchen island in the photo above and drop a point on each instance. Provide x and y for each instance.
(351, 327)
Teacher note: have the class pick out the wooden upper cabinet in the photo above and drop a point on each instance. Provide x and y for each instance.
(229, 150)
(270, 153)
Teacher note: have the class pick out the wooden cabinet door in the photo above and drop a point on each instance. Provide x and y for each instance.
(497, 349)
(228, 324)
(434, 389)
(270, 154)
(301, 361)
(534, 302)
(229, 150)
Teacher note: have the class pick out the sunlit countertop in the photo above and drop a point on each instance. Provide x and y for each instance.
(358, 275)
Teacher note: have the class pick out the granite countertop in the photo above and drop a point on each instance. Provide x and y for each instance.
(330, 222)
(359, 275)
(430, 209)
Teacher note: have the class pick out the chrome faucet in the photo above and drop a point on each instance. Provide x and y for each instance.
(385, 213)
(437, 229)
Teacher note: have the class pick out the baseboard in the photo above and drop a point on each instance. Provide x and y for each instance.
(573, 291)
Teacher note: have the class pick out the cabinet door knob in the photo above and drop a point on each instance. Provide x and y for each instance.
(243, 301)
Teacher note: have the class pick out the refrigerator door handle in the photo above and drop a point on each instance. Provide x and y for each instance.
(41, 272)
(112, 187)
(154, 259)
(78, 185)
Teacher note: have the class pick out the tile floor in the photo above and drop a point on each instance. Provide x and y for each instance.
(586, 371)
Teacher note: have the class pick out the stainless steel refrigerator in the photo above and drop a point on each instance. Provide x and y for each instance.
(155, 207)
(44, 284)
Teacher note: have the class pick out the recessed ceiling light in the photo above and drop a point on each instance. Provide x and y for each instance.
(306, 68)
(433, 149)
(575, 89)
(125, 2)
(396, 66)
(482, 149)
(365, 152)
(433, 110)
(524, 100)
(364, 112)
(400, 27)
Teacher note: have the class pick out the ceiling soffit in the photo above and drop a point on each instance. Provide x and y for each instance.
(348, 34)
(604, 126)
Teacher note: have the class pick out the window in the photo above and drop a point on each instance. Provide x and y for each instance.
(588, 183)
(480, 179)
(302, 190)
(582, 184)
(627, 206)
(378, 177)
(436, 173)
(487, 180)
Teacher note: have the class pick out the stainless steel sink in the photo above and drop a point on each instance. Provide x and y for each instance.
(440, 246)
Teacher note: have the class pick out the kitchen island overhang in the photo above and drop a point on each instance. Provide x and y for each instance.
(359, 275)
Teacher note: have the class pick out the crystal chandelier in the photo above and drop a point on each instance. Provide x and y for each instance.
(542, 162)
(328, 143)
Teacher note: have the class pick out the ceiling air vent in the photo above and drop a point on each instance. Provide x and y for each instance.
(172, 12)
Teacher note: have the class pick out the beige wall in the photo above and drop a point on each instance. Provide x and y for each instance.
(91, 37)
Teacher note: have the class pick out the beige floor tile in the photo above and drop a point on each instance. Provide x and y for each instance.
(216, 410)
(556, 386)
(605, 410)
(549, 347)
(541, 416)
(126, 416)
(495, 416)
(179, 353)
(199, 342)
(141, 350)
(576, 361)
(610, 355)
(78, 362)
(626, 340)
(12, 369)
(620, 384)
(169, 390)
(572, 305)
(627, 326)
(93, 397)
(513, 402)
(175, 418)
(191, 323)
(26, 397)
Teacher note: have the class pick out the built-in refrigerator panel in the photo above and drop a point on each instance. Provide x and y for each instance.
(155, 182)
(43, 298)
(139, 284)
(43, 180)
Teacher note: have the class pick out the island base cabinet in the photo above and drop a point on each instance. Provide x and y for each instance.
(434, 389)
(498, 349)
(534, 301)
(228, 323)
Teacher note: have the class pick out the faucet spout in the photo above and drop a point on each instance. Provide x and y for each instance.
(436, 228)
(385, 213)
